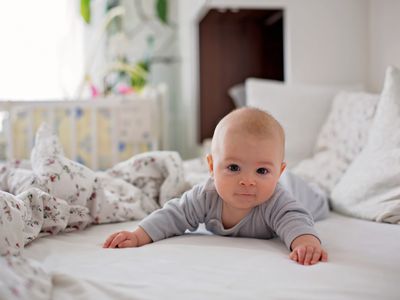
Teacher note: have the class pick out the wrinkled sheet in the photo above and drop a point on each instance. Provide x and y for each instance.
(364, 264)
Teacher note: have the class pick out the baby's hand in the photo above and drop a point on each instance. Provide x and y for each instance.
(307, 250)
(124, 239)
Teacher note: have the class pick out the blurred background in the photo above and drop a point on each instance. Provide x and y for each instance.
(202, 50)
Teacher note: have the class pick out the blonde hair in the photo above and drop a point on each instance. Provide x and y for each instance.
(252, 121)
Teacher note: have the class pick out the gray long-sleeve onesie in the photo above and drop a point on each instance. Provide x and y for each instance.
(281, 216)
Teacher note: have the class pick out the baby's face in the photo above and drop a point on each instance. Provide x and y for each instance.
(246, 169)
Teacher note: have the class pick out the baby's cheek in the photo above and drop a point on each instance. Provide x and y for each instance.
(266, 192)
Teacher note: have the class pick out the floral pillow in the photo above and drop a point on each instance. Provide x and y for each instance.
(341, 139)
(62, 177)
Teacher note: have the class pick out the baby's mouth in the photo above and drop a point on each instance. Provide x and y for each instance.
(246, 194)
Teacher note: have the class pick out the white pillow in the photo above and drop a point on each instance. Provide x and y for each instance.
(370, 188)
(238, 95)
(301, 110)
(341, 139)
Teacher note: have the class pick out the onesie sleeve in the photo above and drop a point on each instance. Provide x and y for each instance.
(177, 215)
(288, 219)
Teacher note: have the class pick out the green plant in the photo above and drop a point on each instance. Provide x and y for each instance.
(161, 7)
(120, 70)
(85, 10)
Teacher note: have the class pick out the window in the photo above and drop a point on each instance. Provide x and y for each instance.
(41, 53)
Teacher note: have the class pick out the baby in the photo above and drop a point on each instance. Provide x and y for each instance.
(242, 196)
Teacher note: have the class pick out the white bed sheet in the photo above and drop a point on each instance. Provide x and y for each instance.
(364, 263)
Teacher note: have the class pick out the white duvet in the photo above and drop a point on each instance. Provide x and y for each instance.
(52, 194)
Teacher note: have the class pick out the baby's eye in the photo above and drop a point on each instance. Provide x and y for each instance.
(262, 171)
(233, 168)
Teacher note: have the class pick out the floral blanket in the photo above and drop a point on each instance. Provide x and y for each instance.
(50, 194)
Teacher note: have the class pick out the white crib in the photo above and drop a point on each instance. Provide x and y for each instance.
(98, 133)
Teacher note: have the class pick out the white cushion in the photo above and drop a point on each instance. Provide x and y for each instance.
(370, 188)
(341, 139)
(238, 94)
(301, 109)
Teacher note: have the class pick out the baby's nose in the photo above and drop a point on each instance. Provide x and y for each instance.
(247, 182)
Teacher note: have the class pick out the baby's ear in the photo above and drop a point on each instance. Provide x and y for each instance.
(283, 167)
(210, 163)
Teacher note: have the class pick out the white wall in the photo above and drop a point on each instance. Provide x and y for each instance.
(187, 119)
(325, 43)
(328, 40)
(384, 42)
(41, 54)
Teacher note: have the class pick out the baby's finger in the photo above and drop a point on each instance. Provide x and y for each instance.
(117, 240)
(301, 253)
(109, 240)
(316, 256)
(309, 255)
(293, 256)
(127, 243)
(324, 256)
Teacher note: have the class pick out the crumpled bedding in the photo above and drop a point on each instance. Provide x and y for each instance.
(51, 194)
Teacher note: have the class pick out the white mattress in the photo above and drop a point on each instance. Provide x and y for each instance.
(364, 263)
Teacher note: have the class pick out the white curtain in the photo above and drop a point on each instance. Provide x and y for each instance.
(41, 49)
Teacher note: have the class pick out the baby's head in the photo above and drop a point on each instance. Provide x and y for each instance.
(246, 159)
(249, 121)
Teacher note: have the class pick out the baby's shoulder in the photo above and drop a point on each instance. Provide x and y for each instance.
(281, 192)
(208, 186)
(280, 197)
(204, 189)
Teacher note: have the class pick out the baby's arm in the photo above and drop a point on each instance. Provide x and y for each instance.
(124, 239)
(174, 218)
(307, 250)
(295, 226)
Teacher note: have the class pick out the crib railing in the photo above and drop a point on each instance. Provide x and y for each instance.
(98, 133)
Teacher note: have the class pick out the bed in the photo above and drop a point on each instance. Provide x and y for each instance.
(363, 264)
(66, 261)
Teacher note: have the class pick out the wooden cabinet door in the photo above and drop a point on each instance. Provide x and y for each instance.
(233, 47)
